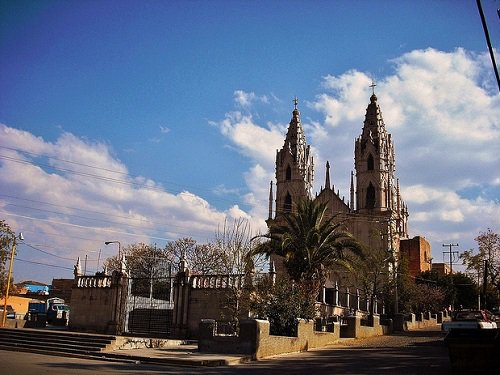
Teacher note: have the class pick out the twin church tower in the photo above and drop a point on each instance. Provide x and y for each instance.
(375, 214)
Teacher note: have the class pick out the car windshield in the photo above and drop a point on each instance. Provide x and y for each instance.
(469, 315)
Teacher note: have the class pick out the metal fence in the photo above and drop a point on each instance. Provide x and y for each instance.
(149, 306)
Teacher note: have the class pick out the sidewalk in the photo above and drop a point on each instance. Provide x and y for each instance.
(178, 355)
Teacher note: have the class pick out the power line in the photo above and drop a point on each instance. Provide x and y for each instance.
(103, 178)
(42, 264)
(87, 227)
(75, 216)
(63, 160)
(45, 233)
(488, 42)
(46, 252)
(145, 221)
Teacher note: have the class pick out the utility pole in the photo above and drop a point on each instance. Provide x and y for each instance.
(9, 275)
(452, 259)
(451, 253)
(485, 281)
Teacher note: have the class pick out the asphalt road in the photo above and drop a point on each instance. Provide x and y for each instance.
(418, 352)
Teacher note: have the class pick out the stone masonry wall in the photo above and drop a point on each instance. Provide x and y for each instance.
(254, 339)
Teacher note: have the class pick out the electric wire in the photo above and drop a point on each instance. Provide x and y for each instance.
(43, 264)
(128, 218)
(46, 252)
(87, 227)
(108, 179)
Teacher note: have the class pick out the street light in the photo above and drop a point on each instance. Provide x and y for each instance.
(119, 248)
(11, 264)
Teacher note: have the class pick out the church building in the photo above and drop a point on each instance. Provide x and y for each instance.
(375, 214)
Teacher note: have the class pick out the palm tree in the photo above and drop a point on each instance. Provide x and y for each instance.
(311, 243)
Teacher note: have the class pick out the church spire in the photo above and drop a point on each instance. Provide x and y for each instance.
(327, 180)
(295, 139)
(352, 192)
(271, 201)
(374, 161)
(294, 166)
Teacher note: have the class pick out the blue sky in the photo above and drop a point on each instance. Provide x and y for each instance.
(189, 100)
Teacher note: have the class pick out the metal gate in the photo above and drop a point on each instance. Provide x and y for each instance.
(149, 306)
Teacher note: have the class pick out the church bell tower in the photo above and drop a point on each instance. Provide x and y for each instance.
(294, 168)
(377, 189)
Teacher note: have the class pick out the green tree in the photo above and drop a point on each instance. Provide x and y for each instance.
(142, 260)
(311, 243)
(459, 289)
(371, 272)
(201, 258)
(427, 297)
(487, 258)
(7, 236)
(233, 249)
(280, 302)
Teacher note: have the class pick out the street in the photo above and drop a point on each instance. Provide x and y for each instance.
(417, 352)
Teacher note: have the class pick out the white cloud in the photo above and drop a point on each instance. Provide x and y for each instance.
(164, 129)
(246, 99)
(251, 139)
(76, 189)
(442, 115)
(444, 118)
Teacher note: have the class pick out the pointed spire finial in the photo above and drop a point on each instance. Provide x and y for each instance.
(327, 181)
(78, 268)
(271, 201)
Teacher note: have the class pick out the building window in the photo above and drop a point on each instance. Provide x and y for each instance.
(288, 173)
(370, 162)
(370, 197)
(288, 203)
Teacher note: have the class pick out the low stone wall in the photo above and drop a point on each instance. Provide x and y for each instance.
(417, 321)
(15, 323)
(357, 327)
(254, 339)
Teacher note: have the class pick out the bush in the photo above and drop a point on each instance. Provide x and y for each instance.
(282, 303)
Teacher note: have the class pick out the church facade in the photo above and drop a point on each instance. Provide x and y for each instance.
(375, 214)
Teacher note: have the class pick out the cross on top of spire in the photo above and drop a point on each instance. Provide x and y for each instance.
(295, 102)
(373, 87)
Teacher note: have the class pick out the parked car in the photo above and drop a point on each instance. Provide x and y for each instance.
(470, 319)
(11, 314)
(495, 316)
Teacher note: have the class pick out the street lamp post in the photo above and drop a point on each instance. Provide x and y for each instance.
(11, 264)
(119, 248)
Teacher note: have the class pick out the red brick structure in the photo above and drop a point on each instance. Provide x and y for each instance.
(416, 252)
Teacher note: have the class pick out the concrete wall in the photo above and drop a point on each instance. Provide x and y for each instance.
(207, 304)
(418, 321)
(98, 305)
(254, 339)
(356, 327)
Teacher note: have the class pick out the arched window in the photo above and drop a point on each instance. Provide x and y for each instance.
(370, 196)
(370, 162)
(288, 175)
(288, 203)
